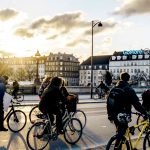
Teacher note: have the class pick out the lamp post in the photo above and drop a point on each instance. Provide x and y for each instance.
(37, 80)
(93, 25)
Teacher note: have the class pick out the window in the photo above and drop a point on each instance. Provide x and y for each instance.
(134, 56)
(140, 56)
(124, 57)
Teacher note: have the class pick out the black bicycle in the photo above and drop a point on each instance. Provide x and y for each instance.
(16, 119)
(19, 95)
(35, 113)
(37, 139)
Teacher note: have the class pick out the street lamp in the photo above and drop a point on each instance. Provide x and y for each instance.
(37, 80)
(99, 24)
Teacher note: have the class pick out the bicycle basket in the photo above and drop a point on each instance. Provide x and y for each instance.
(72, 103)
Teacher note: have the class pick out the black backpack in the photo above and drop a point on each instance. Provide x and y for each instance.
(146, 99)
(116, 102)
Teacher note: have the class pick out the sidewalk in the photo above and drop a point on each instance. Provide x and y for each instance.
(83, 99)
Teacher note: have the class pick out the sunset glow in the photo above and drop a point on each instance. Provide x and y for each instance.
(67, 27)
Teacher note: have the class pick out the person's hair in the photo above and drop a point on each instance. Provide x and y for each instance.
(5, 77)
(47, 78)
(124, 76)
(56, 81)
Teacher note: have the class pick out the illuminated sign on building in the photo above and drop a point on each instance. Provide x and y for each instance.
(133, 52)
(136, 52)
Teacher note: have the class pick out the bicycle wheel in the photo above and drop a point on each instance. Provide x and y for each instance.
(139, 120)
(16, 120)
(36, 140)
(111, 145)
(34, 112)
(79, 114)
(72, 131)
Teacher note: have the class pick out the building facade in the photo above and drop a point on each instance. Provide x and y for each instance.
(135, 62)
(63, 65)
(100, 66)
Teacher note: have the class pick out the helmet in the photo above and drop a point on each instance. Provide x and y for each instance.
(124, 118)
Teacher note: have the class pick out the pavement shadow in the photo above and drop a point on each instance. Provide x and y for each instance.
(90, 140)
(60, 144)
(17, 139)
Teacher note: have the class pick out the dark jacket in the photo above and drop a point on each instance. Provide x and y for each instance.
(2, 88)
(131, 98)
(51, 98)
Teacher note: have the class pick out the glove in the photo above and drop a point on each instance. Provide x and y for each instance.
(145, 116)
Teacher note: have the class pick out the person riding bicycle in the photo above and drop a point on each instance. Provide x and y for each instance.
(44, 84)
(103, 89)
(51, 101)
(15, 88)
(130, 100)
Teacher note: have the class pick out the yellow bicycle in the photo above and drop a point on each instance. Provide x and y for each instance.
(126, 143)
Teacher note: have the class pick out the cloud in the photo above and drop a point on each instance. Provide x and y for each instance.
(7, 14)
(108, 24)
(4, 53)
(133, 7)
(52, 37)
(24, 32)
(76, 42)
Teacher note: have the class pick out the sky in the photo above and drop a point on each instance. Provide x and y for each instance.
(66, 26)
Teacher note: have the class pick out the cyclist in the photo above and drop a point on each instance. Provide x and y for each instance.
(51, 100)
(103, 89)
(130, 99)
(44, 84)
(3, 83)
(15, 88)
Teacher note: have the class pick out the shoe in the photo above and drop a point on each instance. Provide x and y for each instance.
(3, 129)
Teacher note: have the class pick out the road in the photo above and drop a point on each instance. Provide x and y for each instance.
(95, 135)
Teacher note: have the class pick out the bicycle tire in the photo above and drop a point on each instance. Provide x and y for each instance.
(33, 114)
(111, 143)
(79, 114)
(16, 124)
(146, 142)
(33, 141)
(72, 131)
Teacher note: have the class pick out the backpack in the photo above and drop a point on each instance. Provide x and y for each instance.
(115, 102)
(146, 99)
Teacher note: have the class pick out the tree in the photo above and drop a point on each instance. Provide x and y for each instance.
(108, 78)
(30, 70)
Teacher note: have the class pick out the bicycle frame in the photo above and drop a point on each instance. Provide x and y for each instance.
(66, 117)
(134, 145)
(11, 110)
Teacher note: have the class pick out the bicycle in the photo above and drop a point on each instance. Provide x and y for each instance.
(79, 114)
(16, 119)
(126, 141)
(20, 95)
(37, 139)
(99, 94)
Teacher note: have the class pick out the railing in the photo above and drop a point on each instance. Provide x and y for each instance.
(32, 89)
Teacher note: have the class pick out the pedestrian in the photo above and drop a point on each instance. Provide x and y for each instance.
(15, 89)
(3, 83)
